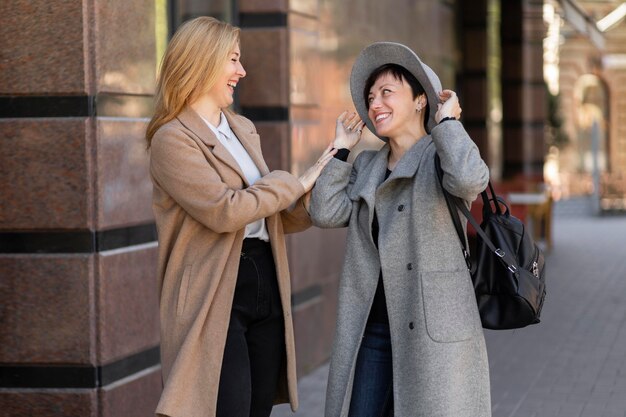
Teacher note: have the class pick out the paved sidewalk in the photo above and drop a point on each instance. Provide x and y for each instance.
(573, 364)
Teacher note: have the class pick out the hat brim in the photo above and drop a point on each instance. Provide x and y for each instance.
(381, 53)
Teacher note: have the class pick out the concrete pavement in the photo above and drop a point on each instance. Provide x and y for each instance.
(572, 364)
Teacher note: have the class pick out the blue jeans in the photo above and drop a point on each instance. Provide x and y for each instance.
(372, 391)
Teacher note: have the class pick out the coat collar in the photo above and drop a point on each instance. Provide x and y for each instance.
(373, 173)
(409, 163)
(248, 138)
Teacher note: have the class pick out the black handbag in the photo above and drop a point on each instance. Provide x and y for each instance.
(508, 271)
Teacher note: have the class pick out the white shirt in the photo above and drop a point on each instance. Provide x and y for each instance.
(227, 137)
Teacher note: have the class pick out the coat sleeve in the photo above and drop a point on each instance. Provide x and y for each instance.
(465, 174)
(331, 205)
(296, 218)
(180, 168)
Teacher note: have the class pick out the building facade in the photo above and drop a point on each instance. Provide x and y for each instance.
(79, 332)
(592, 83)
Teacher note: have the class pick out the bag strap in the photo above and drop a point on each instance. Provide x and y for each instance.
(456, 220)
(451, 201)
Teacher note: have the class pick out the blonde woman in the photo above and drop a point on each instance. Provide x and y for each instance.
(227, 345)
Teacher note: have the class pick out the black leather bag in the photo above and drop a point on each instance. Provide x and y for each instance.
(508, 271)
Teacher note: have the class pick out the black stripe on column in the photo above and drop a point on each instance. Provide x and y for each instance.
(514, 168)
(522, 82)
(107, 105)
(81, 241)
(128, 366)
(266, 114)
(52, 106)
(528, 124)
(475, 124)
(474, 75)
(262, 20)
(127, 236)
(48, 242)
(48, 377)
(77, 376)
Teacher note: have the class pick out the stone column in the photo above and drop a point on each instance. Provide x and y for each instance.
(523, 89)
(473, 79)
(78, 302)
(281, 94)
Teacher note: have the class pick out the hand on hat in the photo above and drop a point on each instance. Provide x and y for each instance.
(348, 130)
(449, 106)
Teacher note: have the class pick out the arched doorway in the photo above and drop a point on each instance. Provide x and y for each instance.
(591, 111)
(585, 160)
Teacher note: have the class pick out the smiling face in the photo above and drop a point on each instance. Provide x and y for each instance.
(392, 108)
(222, 91)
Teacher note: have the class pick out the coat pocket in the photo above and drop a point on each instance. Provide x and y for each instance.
(182, 291)
(450, 307)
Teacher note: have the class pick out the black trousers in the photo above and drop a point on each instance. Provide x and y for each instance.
(255, 344)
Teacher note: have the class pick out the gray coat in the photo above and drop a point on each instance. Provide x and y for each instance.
(439, 357)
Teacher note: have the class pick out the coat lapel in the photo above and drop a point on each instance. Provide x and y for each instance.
(250, 141)
(192, 121)
(371, 177)
(411, 160)
(374, 173)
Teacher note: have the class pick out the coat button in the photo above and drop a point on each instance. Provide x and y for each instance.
(401, 207)
(411, 326)
(409, 266)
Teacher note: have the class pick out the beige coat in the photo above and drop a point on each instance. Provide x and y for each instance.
(202, 203)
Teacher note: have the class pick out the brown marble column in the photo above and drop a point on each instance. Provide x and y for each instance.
(281, 94)
(78, 303)
(523, 89)
(473, 78)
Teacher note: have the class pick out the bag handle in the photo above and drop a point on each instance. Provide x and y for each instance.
(451, 201)
(487, 201)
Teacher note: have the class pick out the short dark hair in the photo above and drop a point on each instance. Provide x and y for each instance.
(399, 73)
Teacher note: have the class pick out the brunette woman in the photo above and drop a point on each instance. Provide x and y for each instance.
(409, 340)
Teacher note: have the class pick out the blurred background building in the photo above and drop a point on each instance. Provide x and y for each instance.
(79, 333)
(587, 83)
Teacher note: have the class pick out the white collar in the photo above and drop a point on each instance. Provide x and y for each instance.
(223, 127)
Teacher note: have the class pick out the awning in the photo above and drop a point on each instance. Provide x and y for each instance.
(582, 22)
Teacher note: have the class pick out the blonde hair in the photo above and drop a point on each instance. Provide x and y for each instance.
(191, 64)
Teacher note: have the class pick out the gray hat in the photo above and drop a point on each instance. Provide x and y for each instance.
(381, 53)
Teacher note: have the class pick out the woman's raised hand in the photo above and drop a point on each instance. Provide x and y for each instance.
(449, 106)
(348, 130)
(310, 176)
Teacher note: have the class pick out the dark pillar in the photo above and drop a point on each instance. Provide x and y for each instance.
(524, 100)
(282, 95)
(79, 328)
(473, 75)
